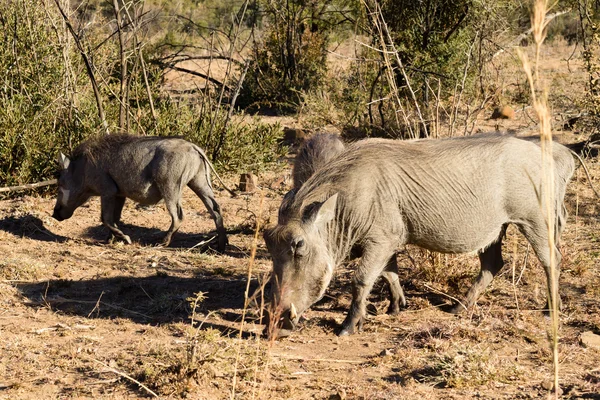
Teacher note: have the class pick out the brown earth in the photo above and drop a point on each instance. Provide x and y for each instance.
(80, 318)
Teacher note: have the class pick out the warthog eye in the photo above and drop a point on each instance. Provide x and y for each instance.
(299, 247)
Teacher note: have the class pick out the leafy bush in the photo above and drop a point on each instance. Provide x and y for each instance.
(236, 146)
(289, 61)
(47, 103)
(36, 116)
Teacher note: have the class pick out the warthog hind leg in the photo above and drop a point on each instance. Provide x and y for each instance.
(397, 299)
(537, 235)
(491, 263)
(205, 193)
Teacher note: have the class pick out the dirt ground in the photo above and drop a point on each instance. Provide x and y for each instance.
(80, 318)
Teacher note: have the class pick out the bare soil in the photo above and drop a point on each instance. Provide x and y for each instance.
(80, 318)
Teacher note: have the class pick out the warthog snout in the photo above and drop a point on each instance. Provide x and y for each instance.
(282, 324)
(60, 214)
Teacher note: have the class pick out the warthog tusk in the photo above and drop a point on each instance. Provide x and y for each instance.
(293, 313)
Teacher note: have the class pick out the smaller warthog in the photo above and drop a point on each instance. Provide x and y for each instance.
(144, 169)
(315, 153)
(450, 196)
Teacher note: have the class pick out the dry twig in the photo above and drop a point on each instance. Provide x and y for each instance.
(124, 375)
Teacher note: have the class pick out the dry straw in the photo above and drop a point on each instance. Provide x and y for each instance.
(539, 23)
(247, 299)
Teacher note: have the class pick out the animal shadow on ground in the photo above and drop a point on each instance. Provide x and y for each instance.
(150, 236)
(181, 240)
(151, 300)
(31, 227)
(339, 295)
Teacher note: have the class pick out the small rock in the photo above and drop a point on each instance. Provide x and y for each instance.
(386, 352)
(248, 182)
(549, 385)
(590, 339)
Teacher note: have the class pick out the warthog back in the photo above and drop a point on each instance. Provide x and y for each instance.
(315, 153)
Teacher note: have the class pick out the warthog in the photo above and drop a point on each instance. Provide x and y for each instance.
(452, 196)
(315, 153)
(144, 169)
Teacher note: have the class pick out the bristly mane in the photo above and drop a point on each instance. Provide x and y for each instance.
(350, 225)
(96, 145)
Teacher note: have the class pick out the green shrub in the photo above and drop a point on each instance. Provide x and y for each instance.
(47, 103)
(290, 58)
(37, 117)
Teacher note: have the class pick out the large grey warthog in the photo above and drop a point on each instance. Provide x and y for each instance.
(452, 196)
(318, 151)
(144, 169)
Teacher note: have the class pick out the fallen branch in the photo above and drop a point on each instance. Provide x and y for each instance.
(329, 360)
(28, 186)
(140, 384)
(446, 295)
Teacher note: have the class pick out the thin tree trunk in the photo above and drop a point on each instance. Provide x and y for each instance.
(123, 100)
(88, 67)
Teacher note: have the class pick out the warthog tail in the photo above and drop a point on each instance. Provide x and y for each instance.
(209, 164)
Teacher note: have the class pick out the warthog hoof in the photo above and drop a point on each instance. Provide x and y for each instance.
(348, 328)
(394, 309)
(112, 239)
(346, 332)
(222, 244)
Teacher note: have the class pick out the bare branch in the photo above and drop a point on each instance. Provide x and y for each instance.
(28, 186)
(88, 67)
(191, 72)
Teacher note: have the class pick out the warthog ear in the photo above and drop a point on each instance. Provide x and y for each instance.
(63, 161)
(321, 213)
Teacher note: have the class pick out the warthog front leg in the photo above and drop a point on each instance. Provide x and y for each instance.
(374, 261)
(111, 207)
(176, 213)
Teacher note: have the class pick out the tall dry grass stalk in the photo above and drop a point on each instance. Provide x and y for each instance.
(539, 22)
(246, 304)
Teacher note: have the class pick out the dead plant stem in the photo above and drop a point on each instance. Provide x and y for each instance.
(246, 296)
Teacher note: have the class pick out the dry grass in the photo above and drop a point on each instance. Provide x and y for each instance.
(141, 326)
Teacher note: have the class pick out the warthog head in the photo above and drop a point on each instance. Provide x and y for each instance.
(71, 189)
(302, 263)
